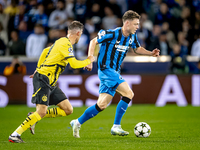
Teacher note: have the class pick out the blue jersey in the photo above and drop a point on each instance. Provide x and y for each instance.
(113, 49)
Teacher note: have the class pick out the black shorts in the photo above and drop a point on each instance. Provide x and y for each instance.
(44, 93)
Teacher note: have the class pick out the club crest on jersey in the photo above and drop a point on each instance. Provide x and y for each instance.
(130, 41)
(44, 98)
(70, 49)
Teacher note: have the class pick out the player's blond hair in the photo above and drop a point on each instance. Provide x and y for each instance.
(130, 15)
(75, 25)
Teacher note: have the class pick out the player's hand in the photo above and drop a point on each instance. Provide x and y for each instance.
(31, 76)
(156, 53)
(91, 58)
(89, 67)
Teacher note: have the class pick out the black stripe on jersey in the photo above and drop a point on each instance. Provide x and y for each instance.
(130, 39)
(50, 65)
(136, 43)
(114, 48)
(47, 55)
(58, 66)
(69, 57)
(102, 66)
(97, 59)
(120, 53)
(47, 65)
(50, 50)
(55, 75)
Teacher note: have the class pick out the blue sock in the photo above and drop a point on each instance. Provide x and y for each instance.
(121, 109)
(89, 113)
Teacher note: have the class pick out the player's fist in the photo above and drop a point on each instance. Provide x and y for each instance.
(91, 58)
(156, 53)
(88, 67)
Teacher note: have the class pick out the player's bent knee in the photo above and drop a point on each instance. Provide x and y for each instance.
(102, 106)
(42, 113)
(69, 111)
(130, 94)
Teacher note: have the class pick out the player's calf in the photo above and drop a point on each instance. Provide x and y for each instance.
(32, 128)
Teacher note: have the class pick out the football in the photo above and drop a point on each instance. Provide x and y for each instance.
(142, 129)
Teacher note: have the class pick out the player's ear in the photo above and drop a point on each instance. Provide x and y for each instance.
(127, 22)
(78, 33)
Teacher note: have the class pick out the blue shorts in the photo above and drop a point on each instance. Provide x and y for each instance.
(109, 81)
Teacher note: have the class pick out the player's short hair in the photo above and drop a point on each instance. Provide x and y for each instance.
(130, 15)
(75, 25)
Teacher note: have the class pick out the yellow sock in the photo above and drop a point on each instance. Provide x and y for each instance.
(28, 122)
(55, 112)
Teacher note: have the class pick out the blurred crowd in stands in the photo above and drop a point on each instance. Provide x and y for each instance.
(28, 26)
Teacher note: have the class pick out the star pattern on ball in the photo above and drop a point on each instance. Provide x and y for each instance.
(143, 125)
(141, 133)
(148, 131)
(136, 128)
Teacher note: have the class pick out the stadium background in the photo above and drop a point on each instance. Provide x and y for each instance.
(168, 25)
(172, 78)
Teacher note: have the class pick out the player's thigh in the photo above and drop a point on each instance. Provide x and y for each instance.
(42, 91)
(66, 106)
(103, 100)
(124, 90)
(56, 96)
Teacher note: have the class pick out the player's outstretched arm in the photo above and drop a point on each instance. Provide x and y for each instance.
(143, 51)
(74, 63)
(92, 45)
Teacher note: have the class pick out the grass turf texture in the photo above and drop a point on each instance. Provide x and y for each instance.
(172, 127)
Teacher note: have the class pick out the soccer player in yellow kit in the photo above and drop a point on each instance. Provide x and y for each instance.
(51, 64)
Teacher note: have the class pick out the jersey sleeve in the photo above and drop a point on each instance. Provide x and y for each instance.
(104, 35)
(136, 43)
(43, 56)
(67, 51)
(74, 63)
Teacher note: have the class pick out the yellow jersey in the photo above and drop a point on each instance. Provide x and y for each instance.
(54, 59)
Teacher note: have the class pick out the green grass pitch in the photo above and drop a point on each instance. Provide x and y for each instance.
(173, 128)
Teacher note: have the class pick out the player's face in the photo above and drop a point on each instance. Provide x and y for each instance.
(133, 25)
(79, 33)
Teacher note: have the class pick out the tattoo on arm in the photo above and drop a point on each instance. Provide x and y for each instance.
(135, 51)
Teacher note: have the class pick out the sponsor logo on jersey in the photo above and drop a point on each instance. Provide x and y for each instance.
(121, 48)
(71, 54)
(117, 42)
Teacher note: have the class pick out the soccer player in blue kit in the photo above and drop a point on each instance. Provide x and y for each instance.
(114, 46)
